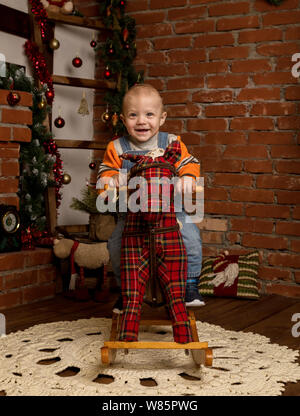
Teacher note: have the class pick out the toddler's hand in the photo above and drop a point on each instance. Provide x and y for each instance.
(187, 184)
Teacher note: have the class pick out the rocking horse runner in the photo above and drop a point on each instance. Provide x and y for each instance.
(152, 246)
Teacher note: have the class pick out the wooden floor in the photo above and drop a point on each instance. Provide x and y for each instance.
(270, 316)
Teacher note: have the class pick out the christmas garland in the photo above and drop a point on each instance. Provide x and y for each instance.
(39, 158)
(118, 53)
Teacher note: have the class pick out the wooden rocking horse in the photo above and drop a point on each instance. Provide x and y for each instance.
(154, 263)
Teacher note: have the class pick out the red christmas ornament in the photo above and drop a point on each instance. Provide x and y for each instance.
(13, 98)
(126, 45)
(77, 62)
(92, 165)
(93, 43)
(122, 3)
(111, 50)
(59, 122)
(107, 73)
(49, 95)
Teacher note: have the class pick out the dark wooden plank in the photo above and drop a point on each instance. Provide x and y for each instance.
(79, 144)
(77, 21)
(83, 82)
(14, 22)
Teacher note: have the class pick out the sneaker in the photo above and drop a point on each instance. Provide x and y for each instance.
(193, 299)
(118, 306)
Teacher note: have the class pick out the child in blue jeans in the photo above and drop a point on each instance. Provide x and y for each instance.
(143, 115)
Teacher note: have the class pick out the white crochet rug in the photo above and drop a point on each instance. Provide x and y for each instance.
(34, 362)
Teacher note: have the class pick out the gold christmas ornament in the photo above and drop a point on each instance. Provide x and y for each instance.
(42, 103)
(115, 119)
(66, 179)
(105, 116)
(83, 108)
(54, 44)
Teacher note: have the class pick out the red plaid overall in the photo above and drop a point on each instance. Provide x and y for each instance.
(152, 242)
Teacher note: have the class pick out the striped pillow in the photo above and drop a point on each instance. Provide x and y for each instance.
(230, 276)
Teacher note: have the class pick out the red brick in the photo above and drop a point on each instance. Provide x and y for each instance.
(251, 65)
(22, 134)
(185, 83)
(255, 94)
(285, 152)
(206, 124)
(273, 109)
(170, 70)
(274, 273)
(215, 39)
(157, 29)
(158, 4)
(277, 49)
(189, 56)
(177, 97)
(289, 123)
(235, 137)
(237, 52)
(11, 299)
(292, 291)
(273, 137)
(260, 35)
(216, 194)
(232, 179)
(267, 211)
(47, 274)
(246, 152)
(176, 126)
(295, 245)
(228, 9)
(282, 18)
(213, 224)
(296, 213)
(34, 293)
(5, 133)
(221, 165)
(136, 5)
(278, 182)
(171, 43)
(207, 68)
(258, 166)
(191, 138)
(225, 110)
(9, 168)
(274, 78)
(260, 241)
(225, 81)
(16, 116)
(186, 13)
(188, 110)
(224, 208)
(283, 166)
(263, 6)
(284, 259)
(195, 27)
(213, 96)
(10, 200)
(292, 33)
(254, 226)
(252, 195)
(252, 123)
(292, 93)
(24, 278)
(237, 23)
(288, 197)
(212, 237)
(288, 228)
(8, 185)
(11, 261)
(39, 256)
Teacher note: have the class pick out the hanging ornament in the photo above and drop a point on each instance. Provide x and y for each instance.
(83, 108)
(59, 122)
(111, 50)
(42, 103)
(114, 119)
(13, 98)
(54, 44)
(93, 43)
(92, 165)
(105, 116)
(77, 62)
(126, 45)
(49, 95)
(122, 4)
(125, 34)
(107, 73)
(66, 178)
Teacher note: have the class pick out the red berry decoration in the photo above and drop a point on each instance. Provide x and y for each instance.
(93, 43)
(77, 62)
(13, 98)
(59, 122)
(107, 73)
(92, 165)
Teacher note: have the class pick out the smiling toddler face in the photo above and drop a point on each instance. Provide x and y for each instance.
(143, 113)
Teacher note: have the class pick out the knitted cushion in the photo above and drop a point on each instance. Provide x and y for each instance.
(230, 276)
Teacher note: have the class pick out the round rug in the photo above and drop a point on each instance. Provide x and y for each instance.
(63, 359)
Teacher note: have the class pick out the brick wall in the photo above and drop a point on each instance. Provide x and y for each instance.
(25, 276)
(224, 71)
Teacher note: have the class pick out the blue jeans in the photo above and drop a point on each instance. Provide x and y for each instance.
(191, 239)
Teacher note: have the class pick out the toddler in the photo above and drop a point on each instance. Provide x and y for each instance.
(143, 115)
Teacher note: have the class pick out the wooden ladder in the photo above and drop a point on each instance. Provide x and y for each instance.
(101, 85)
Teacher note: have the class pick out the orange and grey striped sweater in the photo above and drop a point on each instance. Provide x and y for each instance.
(188, 165)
